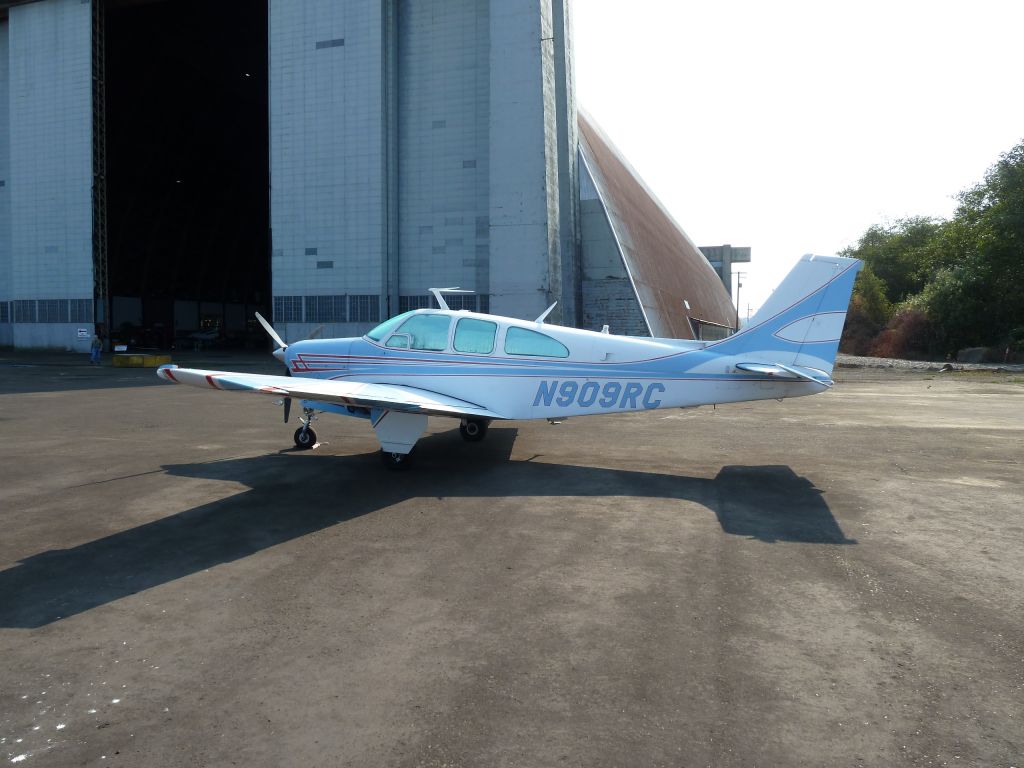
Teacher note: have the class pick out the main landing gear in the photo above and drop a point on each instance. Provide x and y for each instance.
(473, 430)
(305, 437)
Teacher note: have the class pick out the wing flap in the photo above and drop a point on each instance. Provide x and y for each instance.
(389, 396)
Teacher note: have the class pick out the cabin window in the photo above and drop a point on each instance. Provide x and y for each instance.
(426, 332)
(386, 327)
(519, 341)
(476, 336)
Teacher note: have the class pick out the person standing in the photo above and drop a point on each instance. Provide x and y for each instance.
(94, 350)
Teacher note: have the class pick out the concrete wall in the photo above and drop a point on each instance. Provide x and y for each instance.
(443, 134)
(50, 179)
(722, 257)
(417, 144)
(327, 202)
(607, 293)
(568, 174)
(523, 184)
(6, 328)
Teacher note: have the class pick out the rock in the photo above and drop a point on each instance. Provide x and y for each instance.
(972, 355)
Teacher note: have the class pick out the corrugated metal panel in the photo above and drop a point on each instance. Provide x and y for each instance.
(664, 264)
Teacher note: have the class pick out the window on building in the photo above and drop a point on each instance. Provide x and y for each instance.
(475, 336)
(408, 303)
(5, 312)
(425, 332)
(325, 309)
(705, 330)
(80, 310)
(52, 311)
(25, 310)
(461, 301)
(519, 341)
(288, 309)
(364, 309)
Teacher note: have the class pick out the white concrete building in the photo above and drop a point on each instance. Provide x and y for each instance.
(46, 270)
(412, 144)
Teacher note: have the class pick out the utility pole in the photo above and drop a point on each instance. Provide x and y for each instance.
(739, 284)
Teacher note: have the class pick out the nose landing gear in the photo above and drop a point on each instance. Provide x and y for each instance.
(305, 437)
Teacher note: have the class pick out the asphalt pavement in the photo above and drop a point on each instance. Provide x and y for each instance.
(829, 581)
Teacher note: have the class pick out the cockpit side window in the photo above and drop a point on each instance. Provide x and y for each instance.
(424, 332)
(475, 336)
(520, 341)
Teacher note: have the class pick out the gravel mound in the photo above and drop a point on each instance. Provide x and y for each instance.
(854, 361)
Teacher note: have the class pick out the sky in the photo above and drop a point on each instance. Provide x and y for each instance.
(792, 126)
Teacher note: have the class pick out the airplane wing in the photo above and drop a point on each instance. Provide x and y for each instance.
(391, 397)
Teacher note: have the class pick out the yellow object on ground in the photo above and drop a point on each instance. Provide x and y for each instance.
(140, 361)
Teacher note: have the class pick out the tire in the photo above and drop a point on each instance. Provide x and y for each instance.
(398, 462)
(305, 438)
(473, 430)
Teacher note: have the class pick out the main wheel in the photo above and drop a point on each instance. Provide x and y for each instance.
(396, 461)
(305, 438)
(473, 430)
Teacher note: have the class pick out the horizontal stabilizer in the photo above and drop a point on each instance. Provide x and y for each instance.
(788, 372)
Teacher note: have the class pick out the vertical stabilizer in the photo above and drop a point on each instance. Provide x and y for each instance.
(802, 321)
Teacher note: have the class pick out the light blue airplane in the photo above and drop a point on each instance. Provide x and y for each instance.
(479, 368)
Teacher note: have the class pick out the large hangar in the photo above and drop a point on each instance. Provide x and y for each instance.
(170, 166)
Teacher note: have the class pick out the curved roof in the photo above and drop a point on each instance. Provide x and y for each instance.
(664, 264)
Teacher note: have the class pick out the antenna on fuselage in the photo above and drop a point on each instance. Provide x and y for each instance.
(546, 313)
(440, 299)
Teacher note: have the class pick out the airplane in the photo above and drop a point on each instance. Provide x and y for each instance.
(480, 368)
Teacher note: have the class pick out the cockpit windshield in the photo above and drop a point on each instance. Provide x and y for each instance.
(385, 328)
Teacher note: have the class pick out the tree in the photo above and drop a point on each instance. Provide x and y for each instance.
(868, 313)
(899, 254)
(976, 260)
(965, 275)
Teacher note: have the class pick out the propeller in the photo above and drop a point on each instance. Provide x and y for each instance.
(279, 354)
(282, 345)
(270, 331)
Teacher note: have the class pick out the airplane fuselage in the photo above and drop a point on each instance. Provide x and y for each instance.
(601, 374)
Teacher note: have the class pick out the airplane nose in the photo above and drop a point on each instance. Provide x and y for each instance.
(279, 354)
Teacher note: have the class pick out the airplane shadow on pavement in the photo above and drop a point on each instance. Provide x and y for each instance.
(293, 494)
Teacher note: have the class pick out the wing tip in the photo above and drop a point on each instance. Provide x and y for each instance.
(165, 372)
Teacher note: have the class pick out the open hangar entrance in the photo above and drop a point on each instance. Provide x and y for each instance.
(187, 159)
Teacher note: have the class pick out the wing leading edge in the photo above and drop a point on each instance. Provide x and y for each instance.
(391, 397)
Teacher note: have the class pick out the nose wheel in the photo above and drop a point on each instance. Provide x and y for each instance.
(305, 437)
